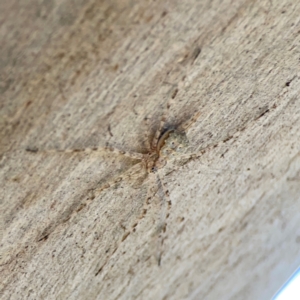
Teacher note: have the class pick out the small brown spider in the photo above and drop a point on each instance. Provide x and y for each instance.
(168, 144)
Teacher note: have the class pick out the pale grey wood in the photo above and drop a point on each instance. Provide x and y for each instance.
(81, 74)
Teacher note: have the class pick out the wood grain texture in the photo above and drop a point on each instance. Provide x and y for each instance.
(81, 74)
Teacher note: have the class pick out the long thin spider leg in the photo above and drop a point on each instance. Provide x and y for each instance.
(106, 149)
(164, 197)
(199, 152)
(158, 131)
(133, 173)
(191, 156)
(163, 119)
(130, 154)
(186, 125)
(150, 193)
(149, 135)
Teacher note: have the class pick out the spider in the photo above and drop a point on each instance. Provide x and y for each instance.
(169, 143)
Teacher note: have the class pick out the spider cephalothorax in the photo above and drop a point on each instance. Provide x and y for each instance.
(174, 143)
(169, 144)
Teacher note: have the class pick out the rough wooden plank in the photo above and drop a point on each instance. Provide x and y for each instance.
(81, 74)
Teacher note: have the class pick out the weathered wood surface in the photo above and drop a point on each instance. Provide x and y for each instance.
(78, 74)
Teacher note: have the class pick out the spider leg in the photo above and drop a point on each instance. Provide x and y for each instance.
(133, 173)
(186, 125)
(149, 195)
(130, 154)
(149, 135)
(158, 132)
(164, 199)
(199, 152)
(165, 113)
(185, 158)
(106, 149)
